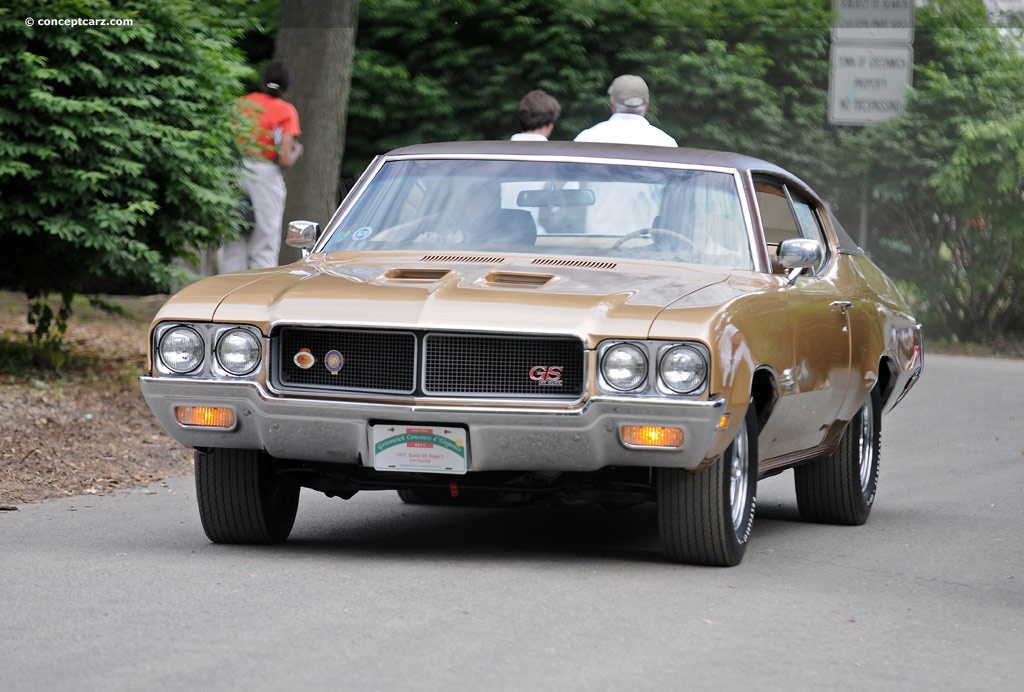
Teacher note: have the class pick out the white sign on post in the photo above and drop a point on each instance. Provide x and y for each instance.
(872, 61)
(868, 83)
(885, 21)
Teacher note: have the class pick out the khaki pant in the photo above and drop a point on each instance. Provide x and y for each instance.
(261, 247)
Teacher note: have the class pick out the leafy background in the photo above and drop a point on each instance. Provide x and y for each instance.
(119, 154)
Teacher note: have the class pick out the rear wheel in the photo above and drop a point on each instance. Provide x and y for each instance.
(241, 499)
(840, 488)
(705, 517)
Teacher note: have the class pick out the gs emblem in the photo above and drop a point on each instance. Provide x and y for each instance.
(547, 375)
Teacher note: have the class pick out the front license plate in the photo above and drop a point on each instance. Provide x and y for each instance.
(426, 449)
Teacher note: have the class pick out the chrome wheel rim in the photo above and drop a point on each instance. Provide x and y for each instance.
(866, 448)
(739, 477)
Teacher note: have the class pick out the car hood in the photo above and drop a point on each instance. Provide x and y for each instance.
(586, 297)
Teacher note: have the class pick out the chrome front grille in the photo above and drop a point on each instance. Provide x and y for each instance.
(449, 364)
(372, 361)
(488, 365)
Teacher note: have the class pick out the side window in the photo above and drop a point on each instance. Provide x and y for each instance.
(807, 219)
(776, 215)
(785, 213)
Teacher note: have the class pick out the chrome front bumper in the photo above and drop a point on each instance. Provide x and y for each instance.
(500, 438)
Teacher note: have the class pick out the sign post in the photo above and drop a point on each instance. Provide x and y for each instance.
(872, 66)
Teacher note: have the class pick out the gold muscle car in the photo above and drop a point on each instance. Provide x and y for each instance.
(518, 322)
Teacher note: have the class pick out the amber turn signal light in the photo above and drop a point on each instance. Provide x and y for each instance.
(205, 416)
(652, 436)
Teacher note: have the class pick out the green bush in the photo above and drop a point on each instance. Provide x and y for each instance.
(119, 151)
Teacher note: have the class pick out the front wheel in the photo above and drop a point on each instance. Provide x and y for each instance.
(840, 488)
(241, 499)
(705, 517)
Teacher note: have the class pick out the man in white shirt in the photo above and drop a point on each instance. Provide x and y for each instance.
(537, 113)
(630, 98)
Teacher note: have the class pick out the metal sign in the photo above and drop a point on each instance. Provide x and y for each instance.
(868, 83)
(884, 21)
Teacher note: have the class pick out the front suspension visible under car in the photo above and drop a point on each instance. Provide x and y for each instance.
(620, 487)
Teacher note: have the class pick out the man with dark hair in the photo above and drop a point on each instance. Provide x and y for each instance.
(538, 112)
(629, 98)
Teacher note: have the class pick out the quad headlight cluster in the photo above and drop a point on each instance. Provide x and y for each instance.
(207, 349)
(653, 367)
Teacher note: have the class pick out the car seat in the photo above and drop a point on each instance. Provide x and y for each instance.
(513, 227)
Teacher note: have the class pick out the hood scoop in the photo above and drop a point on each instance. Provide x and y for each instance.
(462, 258)
(518, 279)
(416, 275)
(576, 264)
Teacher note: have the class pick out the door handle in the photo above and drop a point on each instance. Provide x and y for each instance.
(840, 306)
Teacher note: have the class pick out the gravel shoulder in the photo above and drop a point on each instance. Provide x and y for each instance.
(86, 429)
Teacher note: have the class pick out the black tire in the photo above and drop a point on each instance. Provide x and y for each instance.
(241, 500)
(840, 488)
(705, 517)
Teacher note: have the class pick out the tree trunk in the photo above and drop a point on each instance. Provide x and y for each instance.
(316, 39)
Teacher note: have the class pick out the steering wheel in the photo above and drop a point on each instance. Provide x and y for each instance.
(653, 232)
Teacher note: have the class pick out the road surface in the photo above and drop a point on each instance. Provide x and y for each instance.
(124, 592)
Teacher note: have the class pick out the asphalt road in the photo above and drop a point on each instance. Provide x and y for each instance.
(125, 593)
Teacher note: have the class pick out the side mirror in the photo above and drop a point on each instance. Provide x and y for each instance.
(303, 235)
(797, 254)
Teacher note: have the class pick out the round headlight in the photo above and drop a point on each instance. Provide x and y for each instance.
(238, 351)
(181, 349)
(683, 369)
(624, 367)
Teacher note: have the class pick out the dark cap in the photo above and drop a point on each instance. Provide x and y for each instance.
(276, 79)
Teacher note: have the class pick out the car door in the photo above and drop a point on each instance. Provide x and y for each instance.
(814, 365)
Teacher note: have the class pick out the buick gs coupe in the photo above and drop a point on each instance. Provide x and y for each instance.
(506, 323)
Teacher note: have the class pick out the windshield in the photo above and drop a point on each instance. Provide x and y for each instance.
(549, 208)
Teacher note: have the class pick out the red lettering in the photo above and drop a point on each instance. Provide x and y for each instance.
(544, 373)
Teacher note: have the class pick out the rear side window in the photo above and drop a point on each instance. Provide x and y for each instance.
(786, 213)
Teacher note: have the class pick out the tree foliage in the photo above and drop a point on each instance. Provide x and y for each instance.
(733, 74)
(942, 183)
(948, 176)
(119, 151)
